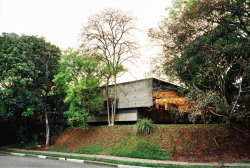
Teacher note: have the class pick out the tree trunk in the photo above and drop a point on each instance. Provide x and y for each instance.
(114, 103)
(228, 121)
(107, 95)
(224, 99)
(47, 130)
(46, 109)
(227, 111)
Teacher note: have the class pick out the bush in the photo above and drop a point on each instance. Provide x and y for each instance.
(145, 127)
(193, 118)
(176, 115)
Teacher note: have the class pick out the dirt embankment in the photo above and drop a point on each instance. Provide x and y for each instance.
(181, 142)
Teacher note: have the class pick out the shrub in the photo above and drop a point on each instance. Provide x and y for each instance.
(145, 127)
(193, 118)
(176, 115)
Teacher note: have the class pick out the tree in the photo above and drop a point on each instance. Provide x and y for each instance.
(110, 32)
(24, 80)
(206, 47)
(47, 58)
(79, 77)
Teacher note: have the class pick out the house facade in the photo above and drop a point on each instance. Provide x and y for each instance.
(138, 100)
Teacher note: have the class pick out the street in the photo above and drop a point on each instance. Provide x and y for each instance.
(7, 161)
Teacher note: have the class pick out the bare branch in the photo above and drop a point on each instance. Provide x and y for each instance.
(109, 32)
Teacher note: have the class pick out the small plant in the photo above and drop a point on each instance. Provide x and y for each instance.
(185, 144)
(180, 134)
(193, 147)
(194, 143)
(192, 152)
(174, 141)
(221, 163)
(145, 127)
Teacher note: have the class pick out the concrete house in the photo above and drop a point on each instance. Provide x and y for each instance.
(137, 100)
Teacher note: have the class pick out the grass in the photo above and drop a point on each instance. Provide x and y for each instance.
(94, 149)
(123, 143)
(189, 125)
(122, 140)
(245, 161)
(111, 161)
(143, 151)
(140, 149)
(185, 145)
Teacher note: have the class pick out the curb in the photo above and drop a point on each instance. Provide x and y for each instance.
(127, 166)
(70, 160)
(101, 163)
(75, 160)
(15, 154)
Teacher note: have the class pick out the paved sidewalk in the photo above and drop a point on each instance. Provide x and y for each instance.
(134, 159)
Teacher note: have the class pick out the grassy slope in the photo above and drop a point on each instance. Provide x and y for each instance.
(178, 142)
(117, 140)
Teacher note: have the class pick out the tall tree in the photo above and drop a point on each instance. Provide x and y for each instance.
(206, 47)
(47, 58)
(110, 32)
(79, 77)
(24, 79)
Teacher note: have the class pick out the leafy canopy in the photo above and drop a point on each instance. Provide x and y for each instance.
(22, 75)
(79, 77)
(205, 43)
(23, 81)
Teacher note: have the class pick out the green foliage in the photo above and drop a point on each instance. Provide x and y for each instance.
(56, 130)
(142, 148)
(145, 127)
(193, 118)
(22, 75)
(32, 138)
(23, 81)
(185, 145)
(245, 161)
(78, 79)
(176, 115)
(28, 112)
(193, 147)
(125, 142)
(190, 2)
(167, 141)
(221, 163)
(174, 142)
(206, 44)
(194, 143)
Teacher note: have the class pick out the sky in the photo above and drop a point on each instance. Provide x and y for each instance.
(61, 21)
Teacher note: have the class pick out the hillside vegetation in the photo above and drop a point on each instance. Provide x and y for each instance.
(175, 142)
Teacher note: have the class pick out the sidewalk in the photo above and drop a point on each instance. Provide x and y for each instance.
(134, 159)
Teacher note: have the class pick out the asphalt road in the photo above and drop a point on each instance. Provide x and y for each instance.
(7, 161)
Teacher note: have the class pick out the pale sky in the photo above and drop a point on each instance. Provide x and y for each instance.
(60, 22)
